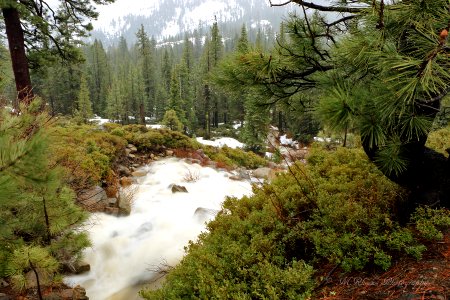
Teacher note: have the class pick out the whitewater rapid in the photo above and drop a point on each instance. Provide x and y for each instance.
(127, 251)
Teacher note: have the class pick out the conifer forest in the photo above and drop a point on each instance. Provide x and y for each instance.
(303, 159)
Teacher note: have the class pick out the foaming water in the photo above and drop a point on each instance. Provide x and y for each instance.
(126, 251)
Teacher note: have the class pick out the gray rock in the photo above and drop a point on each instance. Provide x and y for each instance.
(169, 153)
(132, 148)
(79, 293)
(196, 161)
(31, 281)
(262, 173)
(67, 294)
(5, 297)
(272, 165)
(243, 174)
(178, 188)
(92, 196)
(123, 170)
(131, 155)
(201, 153)
(140, 173)
(126, 181)
(127, 152)
(112, 202)
(82, 268)
(203, 214)
(114, 211)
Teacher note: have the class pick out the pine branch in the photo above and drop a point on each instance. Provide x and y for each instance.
(342, 9)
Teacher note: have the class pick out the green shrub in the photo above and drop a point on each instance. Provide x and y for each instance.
(431, 222)
(337, 209)
(439, 140)
(235, 157)
(158, 139)
(85, 152)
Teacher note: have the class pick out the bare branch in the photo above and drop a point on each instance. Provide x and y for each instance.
(342, 9)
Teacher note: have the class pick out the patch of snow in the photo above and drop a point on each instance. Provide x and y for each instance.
(284, 140)
(112, 14)
(237, 126)
(321, 139)
(224, 141)
(155, 126)
(99, 120)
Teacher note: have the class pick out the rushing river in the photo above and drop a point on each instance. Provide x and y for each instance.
(126, 251)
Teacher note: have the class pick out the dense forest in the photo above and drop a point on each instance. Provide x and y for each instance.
(370, 75)
(139, 83)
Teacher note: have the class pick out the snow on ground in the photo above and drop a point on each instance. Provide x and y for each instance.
(322, 140)
(284, 140)
(99, 120)
(237, 126)
(220, 142)
(154, 126)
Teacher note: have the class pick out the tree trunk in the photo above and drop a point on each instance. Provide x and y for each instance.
(207, 113)
(142, 113)
(19, 59)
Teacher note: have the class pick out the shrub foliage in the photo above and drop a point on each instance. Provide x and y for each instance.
(338, 209)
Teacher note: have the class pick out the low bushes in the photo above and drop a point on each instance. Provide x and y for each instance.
(338, 209)
(235, 157)
(439, 140)
(85, 152)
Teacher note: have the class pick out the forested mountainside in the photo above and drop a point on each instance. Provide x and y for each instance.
(345, 136)
(172, 18)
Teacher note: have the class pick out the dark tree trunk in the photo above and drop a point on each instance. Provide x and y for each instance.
(19, 59)
(141, 113)
(216, 119)
(280, 122)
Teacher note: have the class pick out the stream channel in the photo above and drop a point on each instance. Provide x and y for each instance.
(127, 251)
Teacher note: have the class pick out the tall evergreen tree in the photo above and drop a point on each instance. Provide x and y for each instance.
(34, 25)
(84, 104)
(98, 75)
(146, 54)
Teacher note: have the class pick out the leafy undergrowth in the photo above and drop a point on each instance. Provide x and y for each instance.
(428, 278)
(439, 140)
(158, 140)
(337, 211)
(86, 153)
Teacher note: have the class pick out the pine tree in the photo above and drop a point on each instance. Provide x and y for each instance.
(37, 212)
(98, 76)
(216, 50)
(114, 102)
(242, 44)
(84, 104)
(171, 120)
(147, 62)
(47, 30)
(176, 100)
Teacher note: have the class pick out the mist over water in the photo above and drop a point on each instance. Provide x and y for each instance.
(127, 250)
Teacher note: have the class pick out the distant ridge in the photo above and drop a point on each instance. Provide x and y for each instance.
(168, 18)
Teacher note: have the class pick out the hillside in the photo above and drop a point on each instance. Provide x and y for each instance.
(169, 18)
